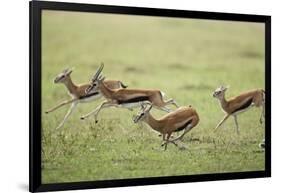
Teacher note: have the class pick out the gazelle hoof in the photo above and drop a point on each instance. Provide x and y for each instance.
(82, 118)
(164, 143)
(262, 145)
(46, 112)
(96, 121)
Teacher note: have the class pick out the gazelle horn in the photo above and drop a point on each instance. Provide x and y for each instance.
(98, 72)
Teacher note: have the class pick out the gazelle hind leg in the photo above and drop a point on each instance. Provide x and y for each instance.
(236, 123)
(161, 104)
(166, 109)
(260, 102)
(164, 139)
(182, 146)
(167, 140)
(172, 102)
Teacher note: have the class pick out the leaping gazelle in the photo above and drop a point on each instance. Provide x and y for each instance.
(240, 103)
(184, 118)
(126, 98)
(78, 93)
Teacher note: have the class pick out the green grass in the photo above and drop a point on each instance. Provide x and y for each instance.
(185, 58)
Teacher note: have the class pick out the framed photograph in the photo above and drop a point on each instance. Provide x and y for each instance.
(126, 96)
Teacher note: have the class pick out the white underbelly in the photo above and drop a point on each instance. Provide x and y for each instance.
(134, 104)
(130, 105)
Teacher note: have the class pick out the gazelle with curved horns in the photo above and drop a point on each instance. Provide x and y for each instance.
(184, 118)
(78, 93)
(126, 98)
(239, 104)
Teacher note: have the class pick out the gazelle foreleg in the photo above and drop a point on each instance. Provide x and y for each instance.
(166, 109)
(173, 141)
(102, 106)
(60, 105)
(70, 110)
(166, 141)
(88, 114)
(236, 123)
(94, 111)
(187, 129)
(221, 122)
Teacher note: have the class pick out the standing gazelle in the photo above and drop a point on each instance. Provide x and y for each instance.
(78, 93)
(240, 103)
(126, 98)
(184, 118)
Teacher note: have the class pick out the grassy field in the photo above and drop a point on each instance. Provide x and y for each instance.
(187, 59)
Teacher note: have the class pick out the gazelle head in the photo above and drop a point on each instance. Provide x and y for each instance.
(219, 92)
(63, 76)
(96, 79)
(142, 114)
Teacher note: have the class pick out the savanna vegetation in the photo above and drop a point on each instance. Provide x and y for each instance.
(185, 58)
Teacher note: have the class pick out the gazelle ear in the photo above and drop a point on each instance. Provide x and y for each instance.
(65, 71)
(69, 71)
(225, 88)
(101, 78)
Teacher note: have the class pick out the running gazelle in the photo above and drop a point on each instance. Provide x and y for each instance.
(239, 104)
(126, 98)
(184, 118)
(78, 93)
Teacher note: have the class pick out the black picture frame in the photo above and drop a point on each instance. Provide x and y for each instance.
(35, 8)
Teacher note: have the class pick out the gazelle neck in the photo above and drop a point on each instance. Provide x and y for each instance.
(106, 92)
(223, 102)
(71, 87)
(153, 123)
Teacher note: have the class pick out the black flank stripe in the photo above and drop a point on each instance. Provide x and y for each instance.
(184, 126)
(244, 106)
(134, 100)
(88, 95)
